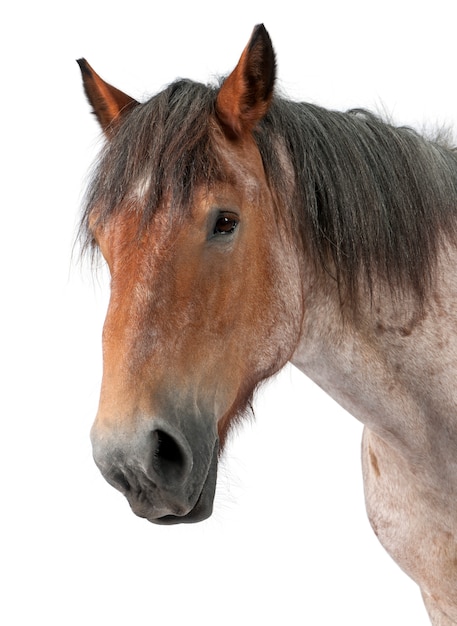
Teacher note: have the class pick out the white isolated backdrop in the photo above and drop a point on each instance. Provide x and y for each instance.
(289, 542)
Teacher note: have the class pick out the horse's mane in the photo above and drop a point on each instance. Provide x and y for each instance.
(369, 201)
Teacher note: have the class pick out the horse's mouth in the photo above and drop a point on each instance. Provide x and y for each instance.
(201, 511)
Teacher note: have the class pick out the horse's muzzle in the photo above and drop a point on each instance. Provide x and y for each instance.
(166, 476)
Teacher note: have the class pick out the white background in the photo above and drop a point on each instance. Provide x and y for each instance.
(289, 542)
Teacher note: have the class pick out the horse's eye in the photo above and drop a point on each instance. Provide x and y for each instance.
(225, 225)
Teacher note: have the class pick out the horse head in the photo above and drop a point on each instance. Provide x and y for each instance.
(205, 283)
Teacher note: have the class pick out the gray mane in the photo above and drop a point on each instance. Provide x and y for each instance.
(371, 201)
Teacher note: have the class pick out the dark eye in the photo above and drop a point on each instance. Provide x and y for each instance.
(225, 225)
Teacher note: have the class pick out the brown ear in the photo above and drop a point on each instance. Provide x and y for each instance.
(108, 103)
(246, 93)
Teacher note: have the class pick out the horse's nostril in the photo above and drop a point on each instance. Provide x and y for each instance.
(169, 460)
(167, 449)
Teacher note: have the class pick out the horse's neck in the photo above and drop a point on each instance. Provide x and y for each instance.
(393, 370)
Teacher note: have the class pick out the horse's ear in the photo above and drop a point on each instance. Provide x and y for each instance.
(246, 93)
(108, 103)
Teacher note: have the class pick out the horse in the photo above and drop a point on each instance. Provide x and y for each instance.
(243, 231)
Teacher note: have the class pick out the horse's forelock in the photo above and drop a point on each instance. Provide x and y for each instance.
(164, 148)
